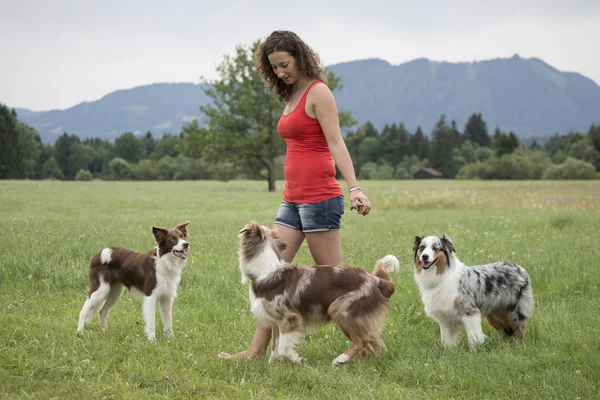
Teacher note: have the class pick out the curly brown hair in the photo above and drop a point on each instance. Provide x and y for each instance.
(308, 62)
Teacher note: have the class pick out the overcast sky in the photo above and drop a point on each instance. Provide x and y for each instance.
(56, 54)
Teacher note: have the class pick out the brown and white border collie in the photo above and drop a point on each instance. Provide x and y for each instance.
(153, 275)
(458, 296)
(290, 298)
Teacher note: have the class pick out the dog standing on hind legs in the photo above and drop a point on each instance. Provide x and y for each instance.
(291, 299)
(457, 296)
(153, 275)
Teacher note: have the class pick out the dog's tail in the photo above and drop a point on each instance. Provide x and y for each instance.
(382, 270)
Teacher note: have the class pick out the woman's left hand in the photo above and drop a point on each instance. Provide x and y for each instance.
(360, 202)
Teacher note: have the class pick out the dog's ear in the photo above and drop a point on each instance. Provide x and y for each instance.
(417, 242)
(250, 228)
(279, 242)
(159, 233)
(183, 228)
(447, 242)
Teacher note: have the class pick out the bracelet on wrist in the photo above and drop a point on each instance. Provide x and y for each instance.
(353, 188)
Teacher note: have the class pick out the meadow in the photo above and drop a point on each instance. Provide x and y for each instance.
(50, 230)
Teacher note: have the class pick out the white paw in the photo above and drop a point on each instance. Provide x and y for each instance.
(169, 334)
(298, 360)
(449, 343)
(341, 359)
(480, 339)
(477, 340)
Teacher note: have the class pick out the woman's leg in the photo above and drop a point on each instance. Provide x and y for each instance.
(321, 222)
(325, 247)
(262, 335)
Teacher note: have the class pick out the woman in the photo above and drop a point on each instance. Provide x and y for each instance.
(313, 201)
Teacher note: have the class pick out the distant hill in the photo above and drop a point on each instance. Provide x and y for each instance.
(160, 108)
(526, 96)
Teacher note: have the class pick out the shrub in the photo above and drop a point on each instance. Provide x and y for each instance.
(570, 169)
(83, 175)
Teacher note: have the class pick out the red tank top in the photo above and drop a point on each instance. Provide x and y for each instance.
(309, 169)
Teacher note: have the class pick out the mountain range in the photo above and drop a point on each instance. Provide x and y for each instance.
(523, 95)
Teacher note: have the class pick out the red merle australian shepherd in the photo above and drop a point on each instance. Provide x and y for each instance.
(290, 298)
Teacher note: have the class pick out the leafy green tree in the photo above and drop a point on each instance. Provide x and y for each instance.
(144, 170)
(468, 151)
(168, 145)
(482, 154)
(459, 160)
(129, 148)
(166, 168)
(580, 146)
(120, 169)
(51, 169)
(46, 152)
(384, 171)
(409, 165)
(103, 153)
(191, 169)
(243, 116)
(368, 170)
(27, 151)
(82, 156)
(365, 145)
(192, 139)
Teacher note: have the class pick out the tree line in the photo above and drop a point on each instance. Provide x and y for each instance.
(239, 140)
(392, 153)
(473, 153)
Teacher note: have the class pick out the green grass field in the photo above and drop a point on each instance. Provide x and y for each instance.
(50, 230)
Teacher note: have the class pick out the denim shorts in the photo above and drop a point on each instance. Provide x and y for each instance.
(312, 217)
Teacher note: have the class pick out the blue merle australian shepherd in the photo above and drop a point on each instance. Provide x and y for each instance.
(458, 296)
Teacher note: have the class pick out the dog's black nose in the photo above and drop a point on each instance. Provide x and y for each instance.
(425, 257)
(186, 245)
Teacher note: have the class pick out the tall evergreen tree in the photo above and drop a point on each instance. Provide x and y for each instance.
(9, 137)
(420, 144)
(476, 130)
(594, 135)
(441, 153)
(64, 149)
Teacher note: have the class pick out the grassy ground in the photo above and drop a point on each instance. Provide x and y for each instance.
(50, 230)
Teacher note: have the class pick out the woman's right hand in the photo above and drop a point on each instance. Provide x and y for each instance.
(360, 202)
